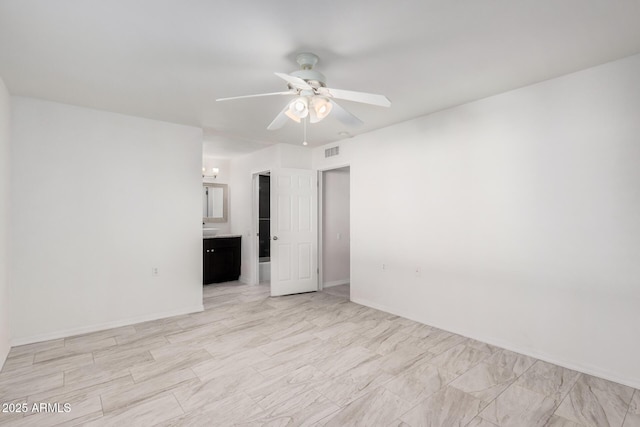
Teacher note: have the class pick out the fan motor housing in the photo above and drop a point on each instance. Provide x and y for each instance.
(313, 77)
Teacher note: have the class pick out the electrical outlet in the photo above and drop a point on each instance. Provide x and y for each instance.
(418, 272)
(384, 267)
(338, 236)
(155, 272)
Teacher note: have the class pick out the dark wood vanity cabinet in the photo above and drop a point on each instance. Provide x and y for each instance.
(221, 259)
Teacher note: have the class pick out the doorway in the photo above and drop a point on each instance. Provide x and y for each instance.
(293, 236)
(264, 229)
(335, 231)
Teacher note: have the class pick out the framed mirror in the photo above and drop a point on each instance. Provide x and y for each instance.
(215, 202)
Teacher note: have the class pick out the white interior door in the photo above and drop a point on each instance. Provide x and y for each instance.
(294, 231)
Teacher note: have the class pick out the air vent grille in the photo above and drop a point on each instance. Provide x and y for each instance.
(333, 151)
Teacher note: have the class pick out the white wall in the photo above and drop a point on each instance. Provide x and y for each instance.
(98, 200)
(521, 214)
(241, 206)
(335, 227)
(5, 335)
(223, 177)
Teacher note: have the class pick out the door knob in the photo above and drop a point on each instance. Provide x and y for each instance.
(275, 237)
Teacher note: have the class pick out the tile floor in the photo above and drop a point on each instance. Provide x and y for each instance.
(310, 359)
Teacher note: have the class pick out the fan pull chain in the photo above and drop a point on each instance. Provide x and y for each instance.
(304, 126)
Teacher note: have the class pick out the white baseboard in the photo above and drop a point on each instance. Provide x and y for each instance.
(103, 326)
(335, 283)
(569, 364)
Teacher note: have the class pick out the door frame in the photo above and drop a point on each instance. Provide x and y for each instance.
(255, 244)
(255, 225)
(321, 172)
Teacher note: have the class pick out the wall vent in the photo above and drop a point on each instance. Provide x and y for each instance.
(333, 151)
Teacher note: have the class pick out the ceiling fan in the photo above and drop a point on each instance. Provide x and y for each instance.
(313, 99)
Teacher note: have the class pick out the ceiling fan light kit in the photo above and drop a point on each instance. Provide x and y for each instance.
(313, 99)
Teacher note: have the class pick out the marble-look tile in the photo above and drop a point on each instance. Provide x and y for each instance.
(146, 413)
(402, 359)
(65, 363)
(485, 381)
(124, 359)
(420, 330)
(436, 345)
(518, 406)
(389, 342)
(131, 394)
(633, 413)
(339, 291)
(78, 392)
(280, 365)
(596, 402)
(459, 359)
(349, 339)
(550, 380)
(354, 383)
(480, 346)
(296, 327)
(447, 407)
(337, 329)
(205, 333)
(293, 343)
(556, 421)
(17, 387)
(419, 382)
(274, 391)
(330, 318)
(156, 368)
(517, 363)
(315, 358)
(215, 388)
(480, 422)
(238, 340)
(36, 370)
(202, 318)
(74, 349)
(99, 336)
(21, 350)
(177, 350)
(229, 361)
(18, 362)
(306, 408)
(140, 345)
(165, 326)
(377, 408)
(91, 375)
(350, 358)
(231, 410)
(147, 330)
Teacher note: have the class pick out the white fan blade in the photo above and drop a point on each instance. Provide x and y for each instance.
(290, 92)
(363, 97)
(280, 119)
(294, 81)
(343, 115)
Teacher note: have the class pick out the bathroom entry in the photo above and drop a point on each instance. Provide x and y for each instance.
(264, 229)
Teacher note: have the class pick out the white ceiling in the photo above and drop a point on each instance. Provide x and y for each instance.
(169, 59)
